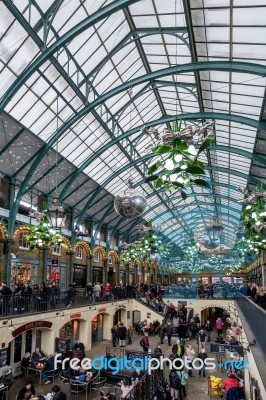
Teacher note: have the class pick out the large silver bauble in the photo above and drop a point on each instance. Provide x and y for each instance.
(130, 203)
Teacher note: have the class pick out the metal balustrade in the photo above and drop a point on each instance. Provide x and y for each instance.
(255, 316)
(15, 305)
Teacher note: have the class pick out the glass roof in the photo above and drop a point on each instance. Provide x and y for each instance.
(75, 77)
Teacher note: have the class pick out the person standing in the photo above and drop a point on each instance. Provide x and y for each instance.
(114, 332)
(208, 329)
(97, 291)
(122, 335)
(190, 353)
(182, 332)
(202, 355)
(129, 335)
(178, 349)
(162, 332)
(169, 332)
(175, 385)
(145, 342)
(158, 351)
(219, 326)
(89, 292)
(202, 336)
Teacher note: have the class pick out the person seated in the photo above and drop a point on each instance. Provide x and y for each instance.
(47, 373)
(57, 394)
(137, 374)
(38, 356)
(79, 346)
(233, 341)
(25, 362)
(28, 388)
(229, 383)
(72, 373)
(126, 387)
(85, 376)
(107, 396)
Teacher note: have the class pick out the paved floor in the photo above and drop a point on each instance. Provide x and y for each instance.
(197, 387)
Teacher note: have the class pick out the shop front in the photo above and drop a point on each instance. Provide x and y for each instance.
(56, 271)
(70, 332)
(111, 276)
(97, 274)
(122, 280)
(80, 275)
(97, 328)
(24, 270)
(26, 338)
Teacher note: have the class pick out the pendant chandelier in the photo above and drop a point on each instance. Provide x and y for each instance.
(130, 203)
(214, 231)
(56, 215)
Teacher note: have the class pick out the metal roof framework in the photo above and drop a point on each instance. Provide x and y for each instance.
(79, 80)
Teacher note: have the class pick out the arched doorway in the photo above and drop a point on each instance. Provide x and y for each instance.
(70, 332)
(120, 315)
(97, 328)
(25, 341)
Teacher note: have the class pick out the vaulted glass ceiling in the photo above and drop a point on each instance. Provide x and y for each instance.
(80, 79)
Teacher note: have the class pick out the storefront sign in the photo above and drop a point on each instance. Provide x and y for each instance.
(31, 325)
(102, 309)
(74, 316)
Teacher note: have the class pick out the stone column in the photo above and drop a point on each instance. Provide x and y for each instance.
(7, 271)
(136, 276)
(88, 273)
(127, 273)
(70, 266)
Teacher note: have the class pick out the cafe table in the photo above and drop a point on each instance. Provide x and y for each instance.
(37, 371)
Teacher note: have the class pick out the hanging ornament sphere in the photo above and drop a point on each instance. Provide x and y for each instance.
(130, 203)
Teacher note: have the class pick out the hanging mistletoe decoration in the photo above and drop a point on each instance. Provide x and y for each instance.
(42, 235)
(180, 167)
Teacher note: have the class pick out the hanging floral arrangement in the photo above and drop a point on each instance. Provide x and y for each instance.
(42, 235)
(254, 216)
(180, 167)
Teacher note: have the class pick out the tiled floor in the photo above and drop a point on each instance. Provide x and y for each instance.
(197, 387)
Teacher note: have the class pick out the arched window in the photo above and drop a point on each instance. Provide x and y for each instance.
(79, 252)
(96, 256)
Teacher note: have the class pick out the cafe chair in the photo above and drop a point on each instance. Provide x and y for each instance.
(23, 370)
(52, 374)
(98, 385)
(77, 387)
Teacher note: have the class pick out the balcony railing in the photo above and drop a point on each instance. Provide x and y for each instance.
(255, 316)
(19, 304)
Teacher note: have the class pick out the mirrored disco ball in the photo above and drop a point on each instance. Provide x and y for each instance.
(130, 203)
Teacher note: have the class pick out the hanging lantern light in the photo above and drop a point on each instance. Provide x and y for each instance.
(130, 203)
(214, 231)
(56, 215)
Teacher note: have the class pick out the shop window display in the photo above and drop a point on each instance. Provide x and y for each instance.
(24, 273)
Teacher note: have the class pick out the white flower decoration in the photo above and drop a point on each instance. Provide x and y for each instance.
(178, 158)
(169, 165)
(192, 150)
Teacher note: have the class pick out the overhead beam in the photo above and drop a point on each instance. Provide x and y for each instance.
(99, 15)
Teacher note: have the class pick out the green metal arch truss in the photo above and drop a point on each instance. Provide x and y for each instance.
(96, 192)
(230, 66)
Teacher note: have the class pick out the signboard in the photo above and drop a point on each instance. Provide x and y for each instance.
(3, 357)
(31, 325)
(62, 345)
(74, 316)
(217, 348)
